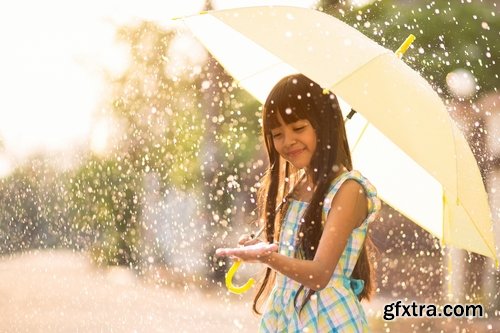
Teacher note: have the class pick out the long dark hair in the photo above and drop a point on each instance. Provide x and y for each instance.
(297, 97)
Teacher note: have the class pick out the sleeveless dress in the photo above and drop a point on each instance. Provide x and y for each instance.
(335, 308)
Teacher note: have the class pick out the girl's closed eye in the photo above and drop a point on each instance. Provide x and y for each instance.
(275, 135)
(300, 128)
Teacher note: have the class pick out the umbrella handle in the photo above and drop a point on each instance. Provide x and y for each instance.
(406, 44)
(229, 280)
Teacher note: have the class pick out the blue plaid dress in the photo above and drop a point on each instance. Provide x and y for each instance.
(335, 308)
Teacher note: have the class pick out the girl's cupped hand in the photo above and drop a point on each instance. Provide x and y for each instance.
(258, 252)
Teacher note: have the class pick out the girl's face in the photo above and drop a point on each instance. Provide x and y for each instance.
(295, 142)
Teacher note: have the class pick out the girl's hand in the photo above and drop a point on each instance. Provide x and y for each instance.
(259, 252)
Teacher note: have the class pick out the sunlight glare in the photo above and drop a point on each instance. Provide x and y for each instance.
(56, 57)
(99, 137)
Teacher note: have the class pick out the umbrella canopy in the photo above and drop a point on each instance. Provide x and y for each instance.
(404, 140)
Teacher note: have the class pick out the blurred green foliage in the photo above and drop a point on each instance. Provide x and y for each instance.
(105, 210)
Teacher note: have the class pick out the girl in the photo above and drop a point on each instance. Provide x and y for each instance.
(316, 212)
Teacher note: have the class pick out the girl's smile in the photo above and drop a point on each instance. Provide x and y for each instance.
(294, 153)
(295, 142)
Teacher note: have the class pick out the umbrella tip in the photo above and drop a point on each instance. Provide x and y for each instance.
(406, 44)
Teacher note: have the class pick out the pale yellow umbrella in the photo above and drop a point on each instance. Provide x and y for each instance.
(402, 139)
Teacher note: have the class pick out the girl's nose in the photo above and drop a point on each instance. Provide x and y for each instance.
(290, 139)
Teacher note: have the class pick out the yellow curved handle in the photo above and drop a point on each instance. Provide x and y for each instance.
(406, 44)
(229, 280)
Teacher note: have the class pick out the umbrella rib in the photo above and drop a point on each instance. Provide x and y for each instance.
(260, 71)
(455, 149)
(360, 135)
(480, 233)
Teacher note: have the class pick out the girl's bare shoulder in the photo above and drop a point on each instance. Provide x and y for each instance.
(351, 196)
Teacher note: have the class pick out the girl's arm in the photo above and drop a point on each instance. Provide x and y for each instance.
(349, 209)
